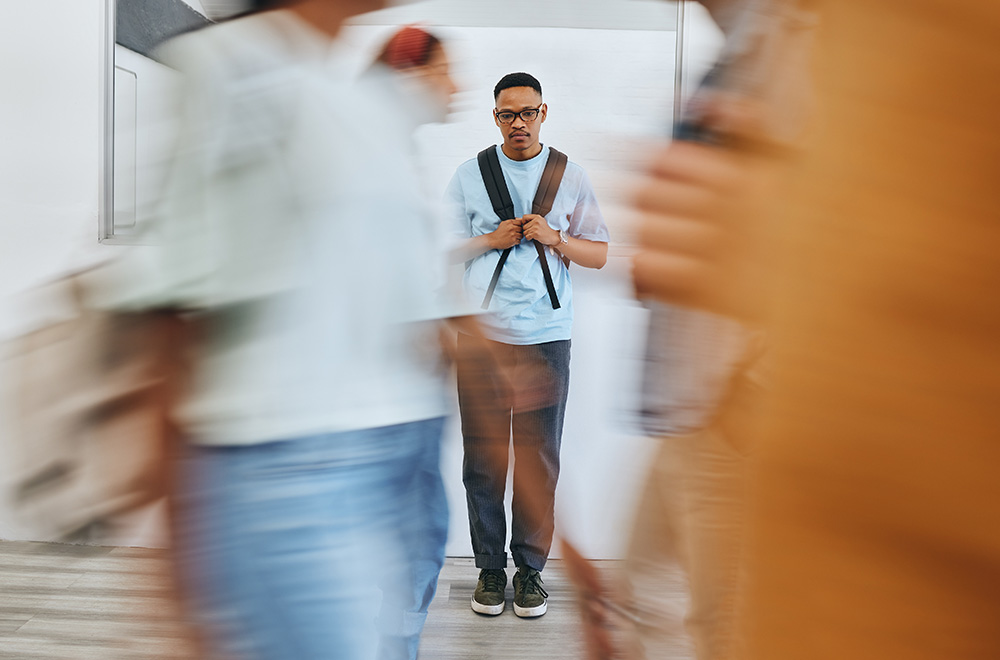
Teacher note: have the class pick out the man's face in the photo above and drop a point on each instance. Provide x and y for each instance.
(520, 135)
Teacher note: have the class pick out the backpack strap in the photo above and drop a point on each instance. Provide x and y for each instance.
(552, 176)
(548, 186)
(496, 186)
(503, 206)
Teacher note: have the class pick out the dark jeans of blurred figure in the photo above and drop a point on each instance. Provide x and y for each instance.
(284, 545)
(490, 417)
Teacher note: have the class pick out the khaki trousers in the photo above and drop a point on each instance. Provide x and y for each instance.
(688, 532)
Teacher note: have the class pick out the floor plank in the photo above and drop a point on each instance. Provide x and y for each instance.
(81, 602)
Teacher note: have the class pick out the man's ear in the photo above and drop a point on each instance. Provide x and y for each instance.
(495, 120)
(545, 111)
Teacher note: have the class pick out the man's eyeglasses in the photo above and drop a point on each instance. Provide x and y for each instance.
(506, 116)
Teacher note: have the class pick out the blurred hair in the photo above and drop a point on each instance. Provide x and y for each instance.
(519, 79)
(409, 47)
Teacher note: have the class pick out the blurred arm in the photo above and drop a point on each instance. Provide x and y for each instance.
(508, 234)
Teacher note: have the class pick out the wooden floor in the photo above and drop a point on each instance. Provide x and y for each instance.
(455, 632)
(83, 602)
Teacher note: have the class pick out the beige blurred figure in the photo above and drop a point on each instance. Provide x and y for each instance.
(705, 365)
(875, 505)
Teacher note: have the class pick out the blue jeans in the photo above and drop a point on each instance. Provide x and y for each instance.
(490, 419)
(422, 531)
(283, 545)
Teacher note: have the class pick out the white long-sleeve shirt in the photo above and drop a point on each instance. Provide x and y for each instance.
(293, 221)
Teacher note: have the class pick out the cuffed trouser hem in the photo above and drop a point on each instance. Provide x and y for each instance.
(491, 561)
(529, 559)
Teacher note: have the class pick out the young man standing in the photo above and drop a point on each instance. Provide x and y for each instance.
(518, 386)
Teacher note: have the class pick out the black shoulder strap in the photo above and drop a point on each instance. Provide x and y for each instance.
(545, 196)
(496, 187)
(503, 206)
(555, 167)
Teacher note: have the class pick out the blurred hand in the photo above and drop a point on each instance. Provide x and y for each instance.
(508, 234)
(701, 217)
(535, 388)
(597, 623)
(537, 229)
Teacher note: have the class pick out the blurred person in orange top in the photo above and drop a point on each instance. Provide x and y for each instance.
(875, 503)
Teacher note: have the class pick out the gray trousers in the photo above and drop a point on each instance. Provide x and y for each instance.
(491, 417)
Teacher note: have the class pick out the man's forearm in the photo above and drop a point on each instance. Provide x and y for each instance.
(589, 254)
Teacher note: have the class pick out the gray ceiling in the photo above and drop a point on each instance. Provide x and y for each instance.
(595, 14)
(141, 25)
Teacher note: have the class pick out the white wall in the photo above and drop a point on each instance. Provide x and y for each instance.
(607, 90)
(49, 60)
(49, 112)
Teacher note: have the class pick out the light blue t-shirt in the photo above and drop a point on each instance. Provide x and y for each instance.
(520, 311)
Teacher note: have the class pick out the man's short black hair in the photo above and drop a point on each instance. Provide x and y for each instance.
(519, 79)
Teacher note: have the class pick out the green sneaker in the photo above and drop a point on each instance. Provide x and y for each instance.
(529, 596)
(489, 596)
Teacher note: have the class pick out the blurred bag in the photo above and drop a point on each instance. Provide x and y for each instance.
(87, 427)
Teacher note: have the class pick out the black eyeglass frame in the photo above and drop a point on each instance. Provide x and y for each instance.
(537, 111)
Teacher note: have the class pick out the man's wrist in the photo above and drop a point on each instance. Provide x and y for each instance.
(559, 240)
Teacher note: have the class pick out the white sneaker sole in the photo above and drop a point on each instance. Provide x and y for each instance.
(492, 610)
(529, 612)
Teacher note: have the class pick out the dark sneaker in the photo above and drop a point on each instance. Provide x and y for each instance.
(489, 596)
(529, 596)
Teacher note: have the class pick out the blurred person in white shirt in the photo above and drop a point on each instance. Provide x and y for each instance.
(412, 74)
(292, 239)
